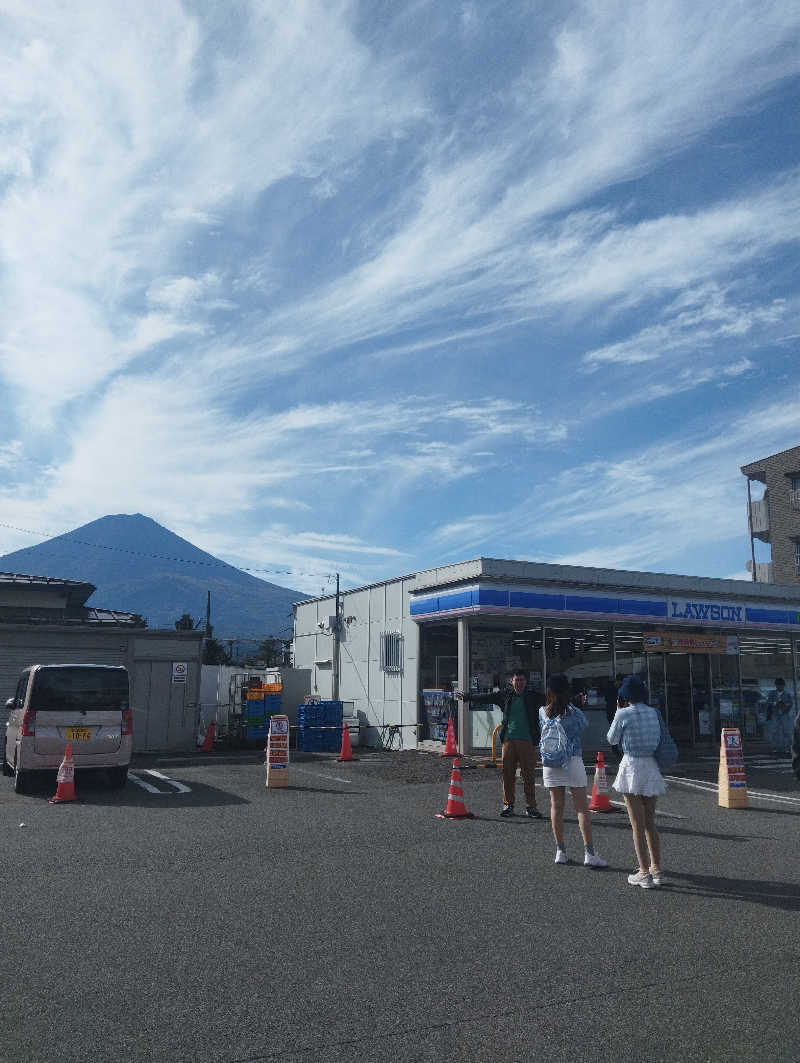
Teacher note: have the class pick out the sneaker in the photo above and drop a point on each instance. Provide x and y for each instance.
(593, 860)
(641, 878)
(561, 856)
(507, 810)
(656, 877)
(533, 813)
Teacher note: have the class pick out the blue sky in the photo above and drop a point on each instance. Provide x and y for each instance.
(371, 287)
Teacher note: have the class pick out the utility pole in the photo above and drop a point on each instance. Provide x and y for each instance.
(336, 643)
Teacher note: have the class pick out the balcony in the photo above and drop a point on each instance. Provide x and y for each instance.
(763, 571)
(759, 519)
(794, 499)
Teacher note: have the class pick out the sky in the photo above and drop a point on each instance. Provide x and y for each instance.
(372, 287)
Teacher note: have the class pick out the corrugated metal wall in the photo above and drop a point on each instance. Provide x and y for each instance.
(164, 713)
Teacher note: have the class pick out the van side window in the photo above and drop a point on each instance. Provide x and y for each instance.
(19, 696)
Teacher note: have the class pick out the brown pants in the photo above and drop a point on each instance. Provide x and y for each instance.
(522, 755)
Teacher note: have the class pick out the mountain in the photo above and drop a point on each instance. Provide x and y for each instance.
(138, 566)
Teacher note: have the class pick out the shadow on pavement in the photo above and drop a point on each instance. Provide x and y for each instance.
(784, 895)
(91, 788)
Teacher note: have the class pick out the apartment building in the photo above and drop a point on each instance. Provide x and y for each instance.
(775, 517)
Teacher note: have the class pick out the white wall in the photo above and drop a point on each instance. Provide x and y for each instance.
(379, 697)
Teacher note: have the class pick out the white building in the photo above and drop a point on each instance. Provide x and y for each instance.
(709, 649)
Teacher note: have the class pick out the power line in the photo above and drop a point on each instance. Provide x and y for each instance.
(164, 557)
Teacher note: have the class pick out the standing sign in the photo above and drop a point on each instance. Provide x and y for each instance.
(278, 751)
(732, 780)
(179, 669)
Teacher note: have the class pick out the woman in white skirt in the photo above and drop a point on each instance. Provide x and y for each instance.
(556, 780)
(636, 727)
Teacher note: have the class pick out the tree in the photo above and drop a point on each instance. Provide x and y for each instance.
(185, 623)
(214, 652)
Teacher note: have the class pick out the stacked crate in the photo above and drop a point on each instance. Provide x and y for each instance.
(261, 703)
(320, 727)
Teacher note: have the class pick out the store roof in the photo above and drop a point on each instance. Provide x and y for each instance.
(535, 572)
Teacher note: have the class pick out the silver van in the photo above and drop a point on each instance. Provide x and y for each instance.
(86, 706)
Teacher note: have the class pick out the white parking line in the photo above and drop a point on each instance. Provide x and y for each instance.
(144, 785)
(179, 786)
(316, 775)
(712, 788)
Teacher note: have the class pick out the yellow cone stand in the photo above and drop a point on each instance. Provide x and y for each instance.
(732, 780)
(278, 752)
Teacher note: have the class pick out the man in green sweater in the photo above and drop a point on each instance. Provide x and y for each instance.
(519, 735)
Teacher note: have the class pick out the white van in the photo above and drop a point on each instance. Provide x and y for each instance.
(86, 706)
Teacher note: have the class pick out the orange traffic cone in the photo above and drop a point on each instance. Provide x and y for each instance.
(347, 748)
(600, 801)
(450, 747)
(456, 809)
(208, 741)
(65, 790)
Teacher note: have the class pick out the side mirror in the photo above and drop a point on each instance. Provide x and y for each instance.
(10, 702)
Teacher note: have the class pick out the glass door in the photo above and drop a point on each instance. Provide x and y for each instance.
(702, 708)
(656, 681)
(679, 697)
(725, 691)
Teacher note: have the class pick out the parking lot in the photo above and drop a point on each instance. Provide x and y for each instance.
(196, 915)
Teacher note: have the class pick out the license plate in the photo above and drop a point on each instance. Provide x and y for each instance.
(79, 734)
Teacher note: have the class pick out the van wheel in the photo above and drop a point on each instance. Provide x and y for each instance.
(20, 781)
(117, 777)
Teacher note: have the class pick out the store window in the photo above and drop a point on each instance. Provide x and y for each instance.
(764, 659)
(583, 655)
(438, 660)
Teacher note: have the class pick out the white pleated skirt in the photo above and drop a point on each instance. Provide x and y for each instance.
(639, 775)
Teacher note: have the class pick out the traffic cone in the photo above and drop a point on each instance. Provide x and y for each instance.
(450, 747)
(208, 741)
(456, 808)
(347, 748)
(600, 801)
(65, 790)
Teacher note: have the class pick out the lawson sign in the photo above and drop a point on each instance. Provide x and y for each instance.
(713, 612)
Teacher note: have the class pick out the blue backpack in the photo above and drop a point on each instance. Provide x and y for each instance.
(554, 744)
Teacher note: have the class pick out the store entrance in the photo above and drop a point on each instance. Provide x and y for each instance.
(681, 685)
(678, 667)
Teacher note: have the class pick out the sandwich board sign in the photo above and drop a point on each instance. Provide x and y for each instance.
(278, 751)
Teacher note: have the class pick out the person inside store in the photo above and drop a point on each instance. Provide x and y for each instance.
(779, 716)
(572, 775)
(637, 729)
(519, 736)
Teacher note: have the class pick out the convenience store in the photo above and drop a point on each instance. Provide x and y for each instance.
(709, 650)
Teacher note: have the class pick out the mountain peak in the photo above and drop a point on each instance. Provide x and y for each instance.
(139, 566)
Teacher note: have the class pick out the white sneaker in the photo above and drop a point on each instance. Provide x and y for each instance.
(593, 860)
(641, 878)
(656, 877)
(561, 857)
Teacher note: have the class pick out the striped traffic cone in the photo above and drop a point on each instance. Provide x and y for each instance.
(450, 747)
(65, 790)
(600, 800)
(456, 808)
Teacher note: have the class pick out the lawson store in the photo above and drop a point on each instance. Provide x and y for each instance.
(709, 650)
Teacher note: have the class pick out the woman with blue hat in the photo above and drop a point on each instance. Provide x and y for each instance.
(636, 727)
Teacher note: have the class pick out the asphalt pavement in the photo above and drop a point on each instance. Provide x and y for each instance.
(197, 916)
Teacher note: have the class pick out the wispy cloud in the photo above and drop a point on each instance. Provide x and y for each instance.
(308, 259)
